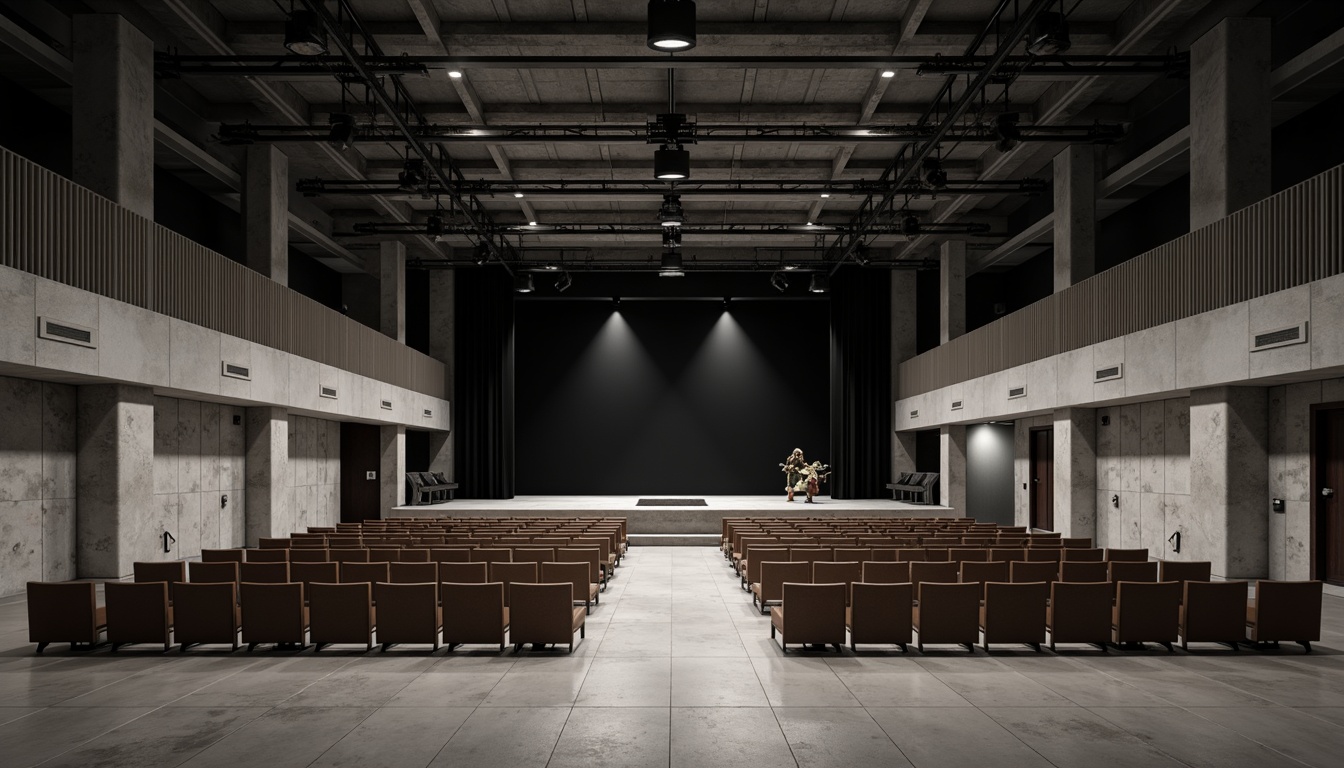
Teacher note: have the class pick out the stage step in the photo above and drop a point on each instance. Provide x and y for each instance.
(675, 539)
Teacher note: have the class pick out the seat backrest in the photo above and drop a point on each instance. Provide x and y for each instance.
(1008, 554)
(1021, 603)
(967, 554)
(973, 572)
(264, 573)
(473, 612)
(450, 554)
(341, 613)
(212, 573)
(1287, 610)
(1076, 542)
(273, 555)
(413, 555)
(587, 555)
(313, 555)
(205, 612)
(536, 555)
(810, 554)
(1083, 572)
(1130, 570)
(763, 554)
(464, 573)
(1084, 555)
(773, 576)
(911, 555)
(827, 572)
(491, 555)
(813, 609)
(307, 573)
(1177, 570)
(349, 554)
(274, 542)
(413, 573)
(513, 573)
(941, 572)
(221, 555)
(541, 613)
(857, 554)
(398, 602)
(573, 573)
(1021, 571)
(384, 554)
(885, 572)
(1147, 611)
(137, 612)
(272, 612)
(353, 573)
(170, 572)
(1127, 555)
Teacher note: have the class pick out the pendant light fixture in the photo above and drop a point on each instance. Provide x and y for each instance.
(671, 25)
(304, 34)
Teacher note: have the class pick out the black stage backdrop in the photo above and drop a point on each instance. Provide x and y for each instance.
(484, 378)
(668, 397)
(860, 383)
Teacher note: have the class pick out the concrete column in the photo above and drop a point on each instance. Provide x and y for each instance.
(1226, 522)
(392, 289)
(266, 211)
(952, 467)
(903, 312)
(113, 111)
(442, 344)
(1076, 472)
(952, 290)
(392, 469)
(270, 499)
(1229, 119)
(115, 522)
(1075, 215)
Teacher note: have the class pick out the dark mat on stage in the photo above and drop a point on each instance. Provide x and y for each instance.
(671, 503)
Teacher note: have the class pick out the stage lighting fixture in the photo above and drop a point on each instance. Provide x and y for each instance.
(1049, 35)
(910, 226)
(934, 175)
(820, 284)
(888, 73)
(522, 283)
(861, 255)
(562, 284)
(517, 194)
(825, 194)
(481, 254)
(671, 214)
(455, 74)
(671, 163)
(342, 133)
(531, 223)
(1005, 125)
(412, 175)
(672, 237)
(552, 267)
(790, 267)
(671, 265)
(305, 35)
(434, 225)
(779, 282)
(671, 25)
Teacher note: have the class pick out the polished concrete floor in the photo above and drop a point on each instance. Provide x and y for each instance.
(677, 670)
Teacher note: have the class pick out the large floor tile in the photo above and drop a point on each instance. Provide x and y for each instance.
(283, 737)
(620, 738)
(505, 738)
(1289, 731)
(395, 738)
(1192, 739)
(49, 732)
(951, 738)
(715, 683)
(702, 736)
(634, 682)
(162, 738)
(1071, 737)
(825, 737)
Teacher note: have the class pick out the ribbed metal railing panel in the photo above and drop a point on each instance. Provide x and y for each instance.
(1289, 239)
(56, 229)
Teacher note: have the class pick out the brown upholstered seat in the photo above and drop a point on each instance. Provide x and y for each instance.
(1079, 612)
(979, 573)
(1008, 554)
(138, 612)
(1084, 554)
(213, 572)
(542, 614)
(274, 613)
(910, 555)
(948, 613)
(510, 573)
(170, 572)
(589, 555)
(315, 555)
(348, 554)
(536, 555)
(1285, 610)
(353, 572)
(749, 567)
(1127, 555)
(883, 572)
(1132, 570)
(832, 572)
(815, 615)
(464, 573)
(577, 574)
(885, 554)
(1147, 612)
(1014, 613)
(340, 613)
(1084, 572)
(64, 612)
(473, 613)
(412, 555)
(1183, 571)
(413, 573)
(1212, 612)
(857, 554)
(967, 554)
(264, 573)
(490, 555)
(770, 589)
(408, 613)
(221, 555)
(880, 612)
(1022, 571)
(943, 572)
(206, 613)
(450, 554)
(274, 555)
(274, 543)
(307, 573)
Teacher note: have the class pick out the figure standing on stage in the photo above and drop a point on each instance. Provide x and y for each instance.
(793, 472)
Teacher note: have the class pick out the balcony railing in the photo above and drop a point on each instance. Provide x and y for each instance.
(1291, 238)
(56, 229)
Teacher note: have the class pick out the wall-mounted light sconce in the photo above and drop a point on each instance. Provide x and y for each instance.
(224, 501)
(168, 541)
(1278, 506)
(1105, 421)
(1175, 541)
(1115, 501)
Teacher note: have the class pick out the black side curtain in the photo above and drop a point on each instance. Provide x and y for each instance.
(483, 371)
(860, 383)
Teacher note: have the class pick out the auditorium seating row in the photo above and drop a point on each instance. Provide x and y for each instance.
(329, 603)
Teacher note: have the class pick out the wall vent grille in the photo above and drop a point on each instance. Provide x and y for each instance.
(1016, 392)
(386, 405)
(67, 333)
(1112, 372)
(914, 414)
(1283, 337)
(235, 371)
(328, 392)
(956, 405)
(429, 413)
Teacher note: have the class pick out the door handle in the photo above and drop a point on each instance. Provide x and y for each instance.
(1327, 492)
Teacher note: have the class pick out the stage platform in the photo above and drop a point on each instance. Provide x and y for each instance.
(673, 525)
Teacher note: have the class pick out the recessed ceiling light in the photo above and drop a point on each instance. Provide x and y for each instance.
(531, 223)
(517, 194)
(888, 73)
(455, 74)
(825, 194)
(671, 25)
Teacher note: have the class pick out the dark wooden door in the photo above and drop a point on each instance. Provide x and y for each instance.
(1329, 493)
(359, 456)
(1041, 481)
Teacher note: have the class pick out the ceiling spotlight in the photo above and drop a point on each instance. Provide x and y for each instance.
(790, 267)
(562, 284)
(517, 194)
(671, 163)
(342, 133)
(672, 237)
(412, 175)
(779, 282)
(888, 73)
(522, 283)
(820, 284)
(531, 223)
(305, 35)
(671, 265)
(910, 226)
(481, 253)
(671, 214)
(934, 175)
(1049, 35)
(862, 255)
(1008, 131)
(434, 225)
(552, 267)
(671, 25)
(455, 74)
(825, 194)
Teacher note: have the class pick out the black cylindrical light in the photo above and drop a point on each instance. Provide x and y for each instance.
(671, 163)
(820, 284)
(305, 35)
(522, 283)
(671, 25)
(671, 265)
